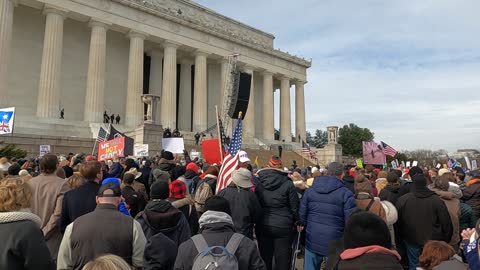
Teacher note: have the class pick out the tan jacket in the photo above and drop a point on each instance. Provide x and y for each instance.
(453, 206)
(46, 202)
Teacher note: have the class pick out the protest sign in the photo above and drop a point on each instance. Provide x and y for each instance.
(140, 150)
(373, 154)
(394, 165)
(211, 151)
(359, 163)
(111, 149)
(174, 145)
(7, 116)
(194, 154)
(44, 149)
(469, 165)
(415, 163)
(439, 166)
(408, 164)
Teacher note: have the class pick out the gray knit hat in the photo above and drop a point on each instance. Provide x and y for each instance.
(335, 168)
(242, 178)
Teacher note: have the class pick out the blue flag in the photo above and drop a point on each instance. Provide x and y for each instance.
(6, 120)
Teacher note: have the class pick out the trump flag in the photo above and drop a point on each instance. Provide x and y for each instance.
(6, 120)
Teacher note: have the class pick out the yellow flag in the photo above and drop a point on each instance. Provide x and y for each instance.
(256, 162)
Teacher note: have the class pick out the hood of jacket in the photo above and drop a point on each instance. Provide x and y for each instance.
(349, 179)
(161, 216)
(327, 184)
(23, 214)
(166, 165)
(272, 179)
(190, 174)
(446, 195)
(211, 217)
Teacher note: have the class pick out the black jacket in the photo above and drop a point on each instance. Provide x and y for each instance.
(349, 182)
(423, 216)
(390, 193)
(187, 207)
(162, 217)
(160, 253)
(218, 234)
(78, 202)
(245, 208)
(471, 196)
(278, 198)
(23, 245)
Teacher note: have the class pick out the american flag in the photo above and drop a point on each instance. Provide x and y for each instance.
(223, 138)
(388, 150)
(307, 151)
(230, 162)
(102, 135)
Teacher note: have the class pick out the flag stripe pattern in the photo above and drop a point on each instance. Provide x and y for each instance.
(308, 151)
(223, 138)
(102, 135)
(230, 162)
(388, 150)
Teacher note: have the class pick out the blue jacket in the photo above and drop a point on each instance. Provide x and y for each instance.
(324, 211)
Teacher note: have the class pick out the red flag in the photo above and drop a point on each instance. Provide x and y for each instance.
(211, 151)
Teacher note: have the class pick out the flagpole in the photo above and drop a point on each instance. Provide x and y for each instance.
(219, 133)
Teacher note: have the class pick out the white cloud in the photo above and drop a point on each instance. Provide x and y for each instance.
(409, 70)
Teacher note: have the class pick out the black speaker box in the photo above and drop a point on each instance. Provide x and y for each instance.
(240, 94)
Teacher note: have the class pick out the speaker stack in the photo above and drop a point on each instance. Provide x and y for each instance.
(240, 94)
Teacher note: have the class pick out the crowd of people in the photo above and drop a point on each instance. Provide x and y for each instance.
(73, 212)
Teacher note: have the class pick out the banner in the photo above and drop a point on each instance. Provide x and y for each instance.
(359, 163)
(408, 164)
(111, 149)
(373, 154)
(140, 150)
(128, 142)
(211, 151)
(174, 145)
(44, 149)
(394, 165)
(7, 116)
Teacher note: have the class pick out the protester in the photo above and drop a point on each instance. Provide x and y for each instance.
(122, 206)
(25, 175)
(471, 194)
(135, 184)
(167, 162)
(349, 180)
(135, 201)
(116, 170)
(439, 255)
(146, 170)
(74, 182)
(364, 197)
(13, 170)
(191, 177)
(217, 230)
(470, 244)
(440, 187)
(422, 216)
(391, 217)
(391, 191)
(206, 188)
(367, 245)
(279, 200)
(80, 201)
(381, 181)
(324, 211)
(46, 201)
(407, 185)
(23, 244)
(160, 216)
(107, 262)
(245, 208)
(103, 231)
(159, 175)
(184, 202)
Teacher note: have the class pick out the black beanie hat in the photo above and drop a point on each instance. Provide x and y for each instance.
(159, 190)
(414, 171)
(392, 177)
(217, 203)
(366, 229)
(167, 155)
(419, 182)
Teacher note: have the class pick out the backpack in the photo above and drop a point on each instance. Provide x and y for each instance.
(203, 192)
(208, 259)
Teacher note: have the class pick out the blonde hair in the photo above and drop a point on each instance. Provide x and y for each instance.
(107, 262)
(75, 181)
(14, 194)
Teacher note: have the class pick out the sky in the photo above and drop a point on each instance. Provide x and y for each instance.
(408, 70)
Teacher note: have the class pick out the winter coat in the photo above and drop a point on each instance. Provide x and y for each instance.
(161, 217)
(324, 210)
(187, 207)
(349, 183)
(166, 165)
(453, 206)
(278, 197)
(217, 229)
(390, 193)
(160, 253)
(423, 216)
(376, 207)
(471, 195)
(46, 202)
(115, 171)
(78, 202)
(23, 245)
(470, 251)
(191, 180)
(405, 188)
(391, 217)
(245, 208)
(369, 257)
(452, 264)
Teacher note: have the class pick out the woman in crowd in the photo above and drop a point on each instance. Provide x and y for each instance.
(439, 255)
(364, 197)
(23, 245)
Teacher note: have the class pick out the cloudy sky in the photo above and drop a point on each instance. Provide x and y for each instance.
(409, 70)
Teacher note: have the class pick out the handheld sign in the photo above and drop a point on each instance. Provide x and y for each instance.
(111, 149)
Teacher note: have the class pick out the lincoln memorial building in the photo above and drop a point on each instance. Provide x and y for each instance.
(89, 57)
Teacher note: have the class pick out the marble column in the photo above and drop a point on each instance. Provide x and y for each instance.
(156, 79)
(6, 25)
(285, 111)
(48, 101)
(200, 93)
(224, 79)
(268, 112)
(185, 96)
(249, 118)
(95, 93)
(300, 126)
(134, 114)
(169, 90)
